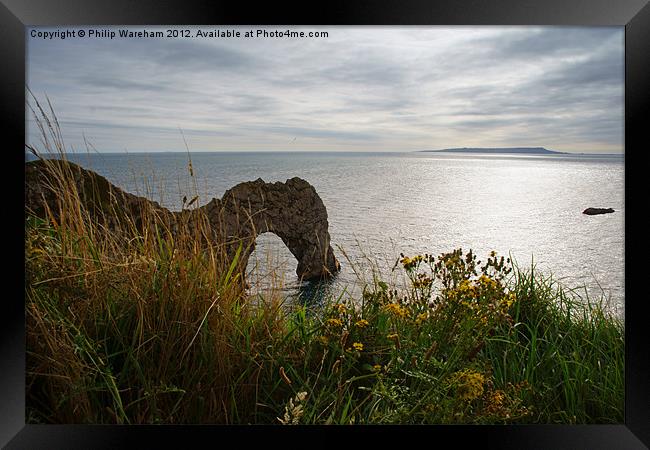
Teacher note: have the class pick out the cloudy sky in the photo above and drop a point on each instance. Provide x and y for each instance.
(358, 89)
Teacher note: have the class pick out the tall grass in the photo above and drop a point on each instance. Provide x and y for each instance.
(570, 349)
(132, 323)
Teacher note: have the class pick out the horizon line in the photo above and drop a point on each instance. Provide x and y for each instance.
(126, 152)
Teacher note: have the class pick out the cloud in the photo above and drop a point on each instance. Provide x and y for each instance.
(104, 81)
(554, 42)
(361, 88)
(188, 56)
(321, 133)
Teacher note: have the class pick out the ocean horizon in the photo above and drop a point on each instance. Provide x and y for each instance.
(380, 204)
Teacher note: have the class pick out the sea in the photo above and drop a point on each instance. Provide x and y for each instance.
(380, 205)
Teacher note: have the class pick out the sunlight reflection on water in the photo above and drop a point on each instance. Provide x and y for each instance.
(529, 207)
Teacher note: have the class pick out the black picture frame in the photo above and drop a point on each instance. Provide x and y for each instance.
(15, 15)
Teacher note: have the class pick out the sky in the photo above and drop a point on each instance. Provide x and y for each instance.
(357, 89)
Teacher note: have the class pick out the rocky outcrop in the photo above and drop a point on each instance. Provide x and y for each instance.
(292, 210)
(594, 211)
(47, 181)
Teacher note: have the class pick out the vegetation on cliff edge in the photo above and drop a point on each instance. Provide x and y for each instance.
(149, 329)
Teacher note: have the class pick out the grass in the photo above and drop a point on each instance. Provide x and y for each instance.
(130, 327)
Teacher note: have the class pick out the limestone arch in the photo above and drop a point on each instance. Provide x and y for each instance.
(291, 210)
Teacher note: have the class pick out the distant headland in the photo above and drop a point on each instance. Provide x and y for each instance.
(521, 150)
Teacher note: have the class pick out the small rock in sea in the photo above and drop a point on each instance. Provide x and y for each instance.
(594, 211)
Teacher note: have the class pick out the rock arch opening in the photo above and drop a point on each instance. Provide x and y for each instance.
(271, 265)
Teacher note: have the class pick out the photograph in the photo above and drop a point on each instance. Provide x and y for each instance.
(325, 225)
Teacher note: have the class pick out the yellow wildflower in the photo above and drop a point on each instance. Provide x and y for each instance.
(341, 308)
(376, 367)
(469, 384)
(487, 281)
(410, 263)
(421, 318)
(496, 401)
(358, 346)
(497, 398)
(467, 289)
(334, 322)
(396, 309)
(392, 336)
(362, 323)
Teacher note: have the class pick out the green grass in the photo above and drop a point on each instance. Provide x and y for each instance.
(150, 327)
(568, 349)
(141, 333)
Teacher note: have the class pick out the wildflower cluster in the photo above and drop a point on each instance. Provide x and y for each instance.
(504, 405)
(435, 327)
(343, 334)
(472, 394)
(421, 283)
(396, 310)
(334, 322)
(464, 285)
(361, 323)
(468, 383)
(411, 264)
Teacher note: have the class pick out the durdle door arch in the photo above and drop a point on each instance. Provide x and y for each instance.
(292, 210)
